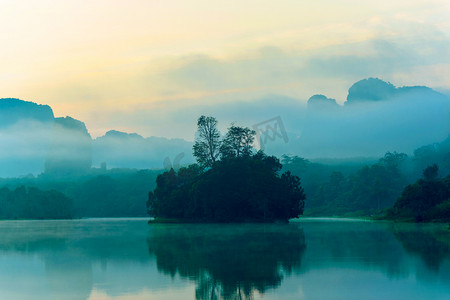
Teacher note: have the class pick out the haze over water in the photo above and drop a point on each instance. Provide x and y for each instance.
(100, 259)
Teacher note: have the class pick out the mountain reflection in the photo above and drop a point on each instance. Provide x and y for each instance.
(228, 261)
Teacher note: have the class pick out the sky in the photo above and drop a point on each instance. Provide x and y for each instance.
(136, 66)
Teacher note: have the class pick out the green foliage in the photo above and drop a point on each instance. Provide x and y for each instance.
(209, 148)
(392, 160)
(365, 186)
(424, 200)
(237, 142)
(367, 190)
(32, 203)
(111, 193)
(299, 163)
(431, 172)
(236, 189)
(240, 187)
(428, 155)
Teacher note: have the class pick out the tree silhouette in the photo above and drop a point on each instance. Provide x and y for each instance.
(207, 143)
(241, 187)
(431, 172)
(237, 142)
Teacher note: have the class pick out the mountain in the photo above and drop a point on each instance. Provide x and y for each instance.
(321, 102)
(376, 117)
(14, 110)
(374, 89)
(24, 136)
(34, 141)
(371, 89)
(119, 150)
(70, 152)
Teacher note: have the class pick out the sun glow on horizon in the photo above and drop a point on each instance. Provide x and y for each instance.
(89, 57)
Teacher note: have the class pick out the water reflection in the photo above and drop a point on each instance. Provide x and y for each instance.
(358, 245)
(430, 243)
(228, 261)
(109, 259)
(67, 259)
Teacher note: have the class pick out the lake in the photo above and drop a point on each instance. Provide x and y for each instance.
(105, 259)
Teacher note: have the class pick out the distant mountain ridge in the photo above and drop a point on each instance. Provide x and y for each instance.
(34, 141)
(70, 150)
(25, 129)
(374, 90)
(120, 135)
(376, 117)
(120, 149)
(13, 110)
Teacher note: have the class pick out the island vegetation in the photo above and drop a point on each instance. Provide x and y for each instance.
(231, 182)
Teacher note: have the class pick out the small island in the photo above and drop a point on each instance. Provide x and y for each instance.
(230, 182)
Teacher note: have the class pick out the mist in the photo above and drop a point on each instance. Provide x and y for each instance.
(375, 118)
(33, 142)
(24, 147)
(129, 150)
(401, 121)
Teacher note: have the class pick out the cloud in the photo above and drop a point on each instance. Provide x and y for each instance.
(180, 89)
(404, 121)
(299, 73)
(136, 84)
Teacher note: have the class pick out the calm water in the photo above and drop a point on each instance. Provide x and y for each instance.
(313, 259)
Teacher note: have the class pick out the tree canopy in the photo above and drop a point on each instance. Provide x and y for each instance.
(237, 142)
(428, 199)
(207, 143)
(32, 203)
(240, 186)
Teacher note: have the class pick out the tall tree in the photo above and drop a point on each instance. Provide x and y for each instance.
(238, 142)
(207, 143)
(393, 160)
(431, 172)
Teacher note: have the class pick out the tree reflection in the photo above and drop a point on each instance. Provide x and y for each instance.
(433, 247)
(69, 251)
(228, 261)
